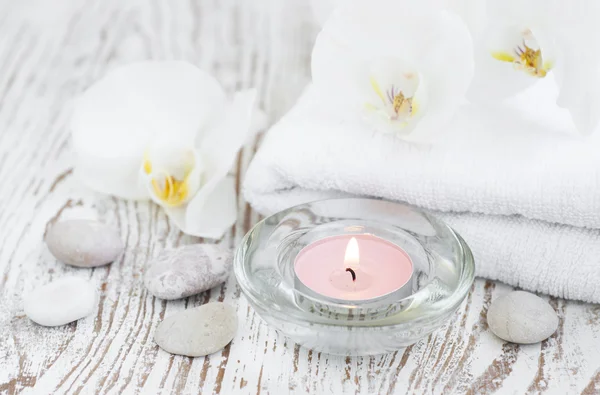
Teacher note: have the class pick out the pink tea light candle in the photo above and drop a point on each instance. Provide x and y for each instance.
(354, 268)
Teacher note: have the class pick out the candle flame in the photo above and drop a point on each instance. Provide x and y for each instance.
(352, 254)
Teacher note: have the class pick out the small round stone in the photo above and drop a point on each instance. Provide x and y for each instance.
(522, 317)
(188, 270)
(199, 331)
(84, 243)
(60, 302)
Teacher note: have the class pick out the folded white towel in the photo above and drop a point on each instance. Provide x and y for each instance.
(523, 190)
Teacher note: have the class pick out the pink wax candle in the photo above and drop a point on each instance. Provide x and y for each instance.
(354, 267)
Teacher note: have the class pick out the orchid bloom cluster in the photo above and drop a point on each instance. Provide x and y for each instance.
(164, 131)
(407, 65)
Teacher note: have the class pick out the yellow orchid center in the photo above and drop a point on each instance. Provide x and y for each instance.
(395, 104)
(401, 104)
(526, 57)
(169, 189)
(531, 60)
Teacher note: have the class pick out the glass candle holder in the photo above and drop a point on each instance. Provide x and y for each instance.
(342, 321)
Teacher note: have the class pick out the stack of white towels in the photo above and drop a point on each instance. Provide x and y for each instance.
(516, 181)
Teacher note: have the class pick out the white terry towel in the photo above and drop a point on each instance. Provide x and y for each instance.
(522, 190)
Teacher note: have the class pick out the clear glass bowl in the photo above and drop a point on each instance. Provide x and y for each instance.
(443, 273)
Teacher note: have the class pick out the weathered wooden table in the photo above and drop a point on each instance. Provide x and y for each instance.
(49, 53)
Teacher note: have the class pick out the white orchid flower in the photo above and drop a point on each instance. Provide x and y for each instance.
(403, 65)
(525, 41)
(164, 131)
(516, 47)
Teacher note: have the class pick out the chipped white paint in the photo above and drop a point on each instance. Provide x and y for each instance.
(51, 51)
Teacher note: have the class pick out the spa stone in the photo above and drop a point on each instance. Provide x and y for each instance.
(60, 302)
(84, 243)
(522, 317)
(199, 331)
(188, 270)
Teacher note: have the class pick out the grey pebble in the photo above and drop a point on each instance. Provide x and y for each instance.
(522, 317)
(199, 331)
(188, 270)
(84, 243)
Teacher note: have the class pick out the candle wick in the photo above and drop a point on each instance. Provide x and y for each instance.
(352, 273)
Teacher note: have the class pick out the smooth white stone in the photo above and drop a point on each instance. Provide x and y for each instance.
(199, 331)
(84, 243)
(522, 317)
(60, 302)
(188, 270)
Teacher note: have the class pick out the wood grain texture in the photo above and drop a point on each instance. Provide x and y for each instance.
(49, 53)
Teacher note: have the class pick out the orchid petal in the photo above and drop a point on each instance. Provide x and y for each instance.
(213, 217)
(336, 68)
(578, 75)
(226, 134)
(523, 12)
(472, 12)
(117, 117)
(580, 92)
